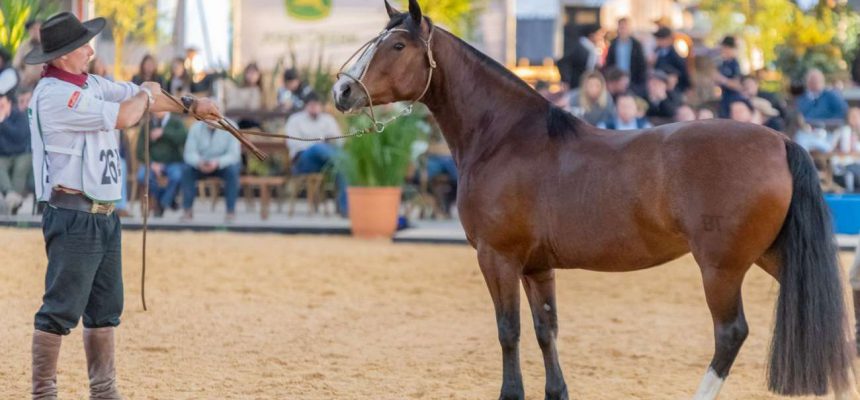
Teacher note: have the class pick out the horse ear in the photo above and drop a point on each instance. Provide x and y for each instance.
(415, 12)
(392, 12)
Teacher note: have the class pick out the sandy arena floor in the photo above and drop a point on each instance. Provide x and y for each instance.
(283, 317)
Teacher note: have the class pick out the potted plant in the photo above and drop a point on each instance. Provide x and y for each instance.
(375, 167)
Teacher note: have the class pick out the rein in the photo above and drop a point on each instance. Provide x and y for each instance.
(148, 170)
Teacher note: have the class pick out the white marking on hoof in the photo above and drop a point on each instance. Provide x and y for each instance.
(710, 386)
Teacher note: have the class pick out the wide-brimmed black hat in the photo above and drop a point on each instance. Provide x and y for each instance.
(62, 34)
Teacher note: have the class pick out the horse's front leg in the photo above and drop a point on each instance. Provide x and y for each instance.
(503, 277)
(540, 290)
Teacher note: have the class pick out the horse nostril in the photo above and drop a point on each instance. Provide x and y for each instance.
(346, 92)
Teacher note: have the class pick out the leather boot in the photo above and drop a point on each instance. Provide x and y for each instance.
(99, 346)
(46, 351)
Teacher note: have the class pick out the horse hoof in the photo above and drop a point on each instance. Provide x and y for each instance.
(557, 394)
(512, 396)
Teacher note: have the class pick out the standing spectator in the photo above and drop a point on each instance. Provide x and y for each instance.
(310, 157)
(8, 76)
(582, 57)
(660, 103)
(626, 54)
(291, 96)
(179, 80)
(666, 55)
(30, 74)
(210, 152)
(591, 101)
(685, 113)
(167, 135)
(15, 156)
(148, 72)
(819, 104)
(626, 118)
(728, 75)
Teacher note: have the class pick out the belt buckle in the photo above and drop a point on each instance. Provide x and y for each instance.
(102, 208)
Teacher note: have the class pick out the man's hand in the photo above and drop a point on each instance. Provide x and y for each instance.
(5, 108)
(157, 168)
(206, 109)
(156, 133)
(153, 87)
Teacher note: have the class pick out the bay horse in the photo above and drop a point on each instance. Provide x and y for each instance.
(540, 189)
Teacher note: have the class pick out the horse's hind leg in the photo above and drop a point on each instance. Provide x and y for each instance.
(502, 276)
(723, 294)
(540, 290)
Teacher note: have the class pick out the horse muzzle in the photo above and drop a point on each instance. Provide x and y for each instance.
(348, 95)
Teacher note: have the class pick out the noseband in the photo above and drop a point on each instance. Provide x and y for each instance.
(372, 46)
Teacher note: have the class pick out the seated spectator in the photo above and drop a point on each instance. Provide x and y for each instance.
(626, 118)
(742, 110)
(15, 156)
(811, 139)
(314, 157)
(846, 152)
(819, 104)
(210, 152)
(728, 75)
(767, 115)
(617, 83)
(179, 80)
(98, 67)
(705, 113)
(9, 79)
(247, 96)
(291, 96)
(672, 77)
(685, 113)
(148, 72)
(591, 101)
(660, 104)
(752, 89)
(167, 135)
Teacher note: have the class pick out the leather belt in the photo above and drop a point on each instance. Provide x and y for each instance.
(79, 202)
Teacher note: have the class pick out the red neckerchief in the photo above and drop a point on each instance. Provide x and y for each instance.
(51, 71)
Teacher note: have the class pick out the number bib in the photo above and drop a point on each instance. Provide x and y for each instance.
(102, 174)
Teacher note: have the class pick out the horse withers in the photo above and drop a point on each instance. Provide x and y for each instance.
(540, 189)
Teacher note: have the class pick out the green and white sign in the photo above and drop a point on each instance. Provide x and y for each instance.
(308, 10)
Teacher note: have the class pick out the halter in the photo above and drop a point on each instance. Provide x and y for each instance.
(368, 50)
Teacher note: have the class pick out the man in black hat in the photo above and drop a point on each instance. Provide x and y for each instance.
(74, 119)
(728, 75)
(668, 56)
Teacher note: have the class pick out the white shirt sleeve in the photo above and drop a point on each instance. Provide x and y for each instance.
(116, 92)
(70, 109)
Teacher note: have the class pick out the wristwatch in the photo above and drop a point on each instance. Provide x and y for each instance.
(188, 102)
(149, 97)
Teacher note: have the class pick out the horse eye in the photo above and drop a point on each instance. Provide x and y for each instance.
(399, 46)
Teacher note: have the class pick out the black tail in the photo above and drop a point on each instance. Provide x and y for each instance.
(809, 351)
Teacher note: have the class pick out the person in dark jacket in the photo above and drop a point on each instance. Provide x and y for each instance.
(661, 104)
(15, 156)
(728, 75)
(582, 56)
(167, 135)
(626, 54)
(667, 56)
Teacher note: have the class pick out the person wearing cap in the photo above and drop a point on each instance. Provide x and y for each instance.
(15, 157)
(666, 56)
(74, 118)
(728, 75)
(291, 96)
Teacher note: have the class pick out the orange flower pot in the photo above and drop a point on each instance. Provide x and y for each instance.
(373, 211)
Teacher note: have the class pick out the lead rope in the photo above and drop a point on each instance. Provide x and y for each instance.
(145, 206)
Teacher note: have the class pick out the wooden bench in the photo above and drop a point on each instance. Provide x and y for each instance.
(266, 184)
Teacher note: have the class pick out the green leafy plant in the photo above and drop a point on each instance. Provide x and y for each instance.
(14, 15)
(129, 19)
(458, 16)
(319, 74)
(379, 159)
